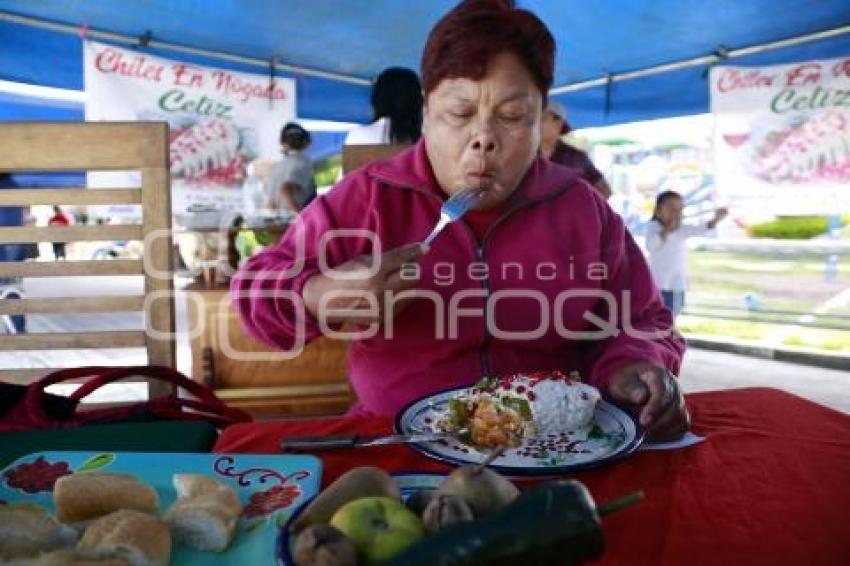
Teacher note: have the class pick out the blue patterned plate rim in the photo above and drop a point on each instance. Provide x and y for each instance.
(626, 448)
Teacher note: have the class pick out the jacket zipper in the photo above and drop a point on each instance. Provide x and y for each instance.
(480, 248)
(485, 284)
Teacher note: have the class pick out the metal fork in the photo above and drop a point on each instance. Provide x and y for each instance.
(453, 209)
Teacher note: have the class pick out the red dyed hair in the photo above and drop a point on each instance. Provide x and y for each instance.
(464, 41)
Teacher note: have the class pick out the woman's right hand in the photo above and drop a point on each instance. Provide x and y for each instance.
(357, 294)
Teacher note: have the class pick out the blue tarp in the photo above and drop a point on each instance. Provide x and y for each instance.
(32, 108)
(20, 107)
(360, 37)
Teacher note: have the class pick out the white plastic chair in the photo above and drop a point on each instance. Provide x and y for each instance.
(9, 292)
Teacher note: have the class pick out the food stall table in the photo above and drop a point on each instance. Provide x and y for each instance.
(770, 484)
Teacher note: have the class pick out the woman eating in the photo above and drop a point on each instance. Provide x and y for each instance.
(540, 275)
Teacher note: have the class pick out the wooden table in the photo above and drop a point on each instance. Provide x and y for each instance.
(216, 251)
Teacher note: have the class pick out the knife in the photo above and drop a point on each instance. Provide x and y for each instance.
(307, 443)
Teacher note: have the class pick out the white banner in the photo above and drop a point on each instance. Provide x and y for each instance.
(782, 137)
(220, 120)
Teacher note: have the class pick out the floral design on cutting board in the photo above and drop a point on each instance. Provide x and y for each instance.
(37, 476)
(265, 502)
(41, 474)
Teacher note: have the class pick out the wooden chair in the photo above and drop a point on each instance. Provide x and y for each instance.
(94, 146)
(355, 156)
(251, 375)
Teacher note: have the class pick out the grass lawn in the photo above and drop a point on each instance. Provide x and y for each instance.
(837, 341)
(780, 282)
(730, 328)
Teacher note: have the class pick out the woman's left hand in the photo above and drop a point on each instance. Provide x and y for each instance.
(653, 394)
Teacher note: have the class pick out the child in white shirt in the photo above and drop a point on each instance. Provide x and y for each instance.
(666, 239)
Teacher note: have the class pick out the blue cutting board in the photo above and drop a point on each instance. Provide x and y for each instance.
(270, 488)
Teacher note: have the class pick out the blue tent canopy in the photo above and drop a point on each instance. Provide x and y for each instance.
(356, 39)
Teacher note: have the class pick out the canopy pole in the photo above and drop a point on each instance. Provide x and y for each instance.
(130, 40)
(699, 61)
(272, 72)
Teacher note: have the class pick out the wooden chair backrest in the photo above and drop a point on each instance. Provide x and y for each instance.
(94, 146)
(356, 156)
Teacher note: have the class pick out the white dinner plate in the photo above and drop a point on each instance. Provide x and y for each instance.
(614, 434)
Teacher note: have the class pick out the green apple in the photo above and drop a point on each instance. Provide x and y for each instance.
(380, 527)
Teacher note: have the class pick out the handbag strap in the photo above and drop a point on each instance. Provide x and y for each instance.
(206, 403)
(105, 375)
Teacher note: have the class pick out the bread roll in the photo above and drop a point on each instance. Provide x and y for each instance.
(27, 530)
(138, 538)
(205, 515)
(88, 495)
(194, 485)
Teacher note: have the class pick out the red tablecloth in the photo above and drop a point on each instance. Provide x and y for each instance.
(770, 485)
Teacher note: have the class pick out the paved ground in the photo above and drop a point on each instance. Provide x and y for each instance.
(705, 370)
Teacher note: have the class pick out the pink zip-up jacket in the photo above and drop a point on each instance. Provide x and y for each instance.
(557, 256)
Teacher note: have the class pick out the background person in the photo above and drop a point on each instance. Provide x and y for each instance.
(552, 146)
(396, 108)
(666, 243)
(486, 69)
(11, 287)
(291, 184)
(12, 216)
(59, 218)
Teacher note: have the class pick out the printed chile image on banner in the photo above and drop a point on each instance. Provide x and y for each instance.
(783, 132)
(219, 120)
